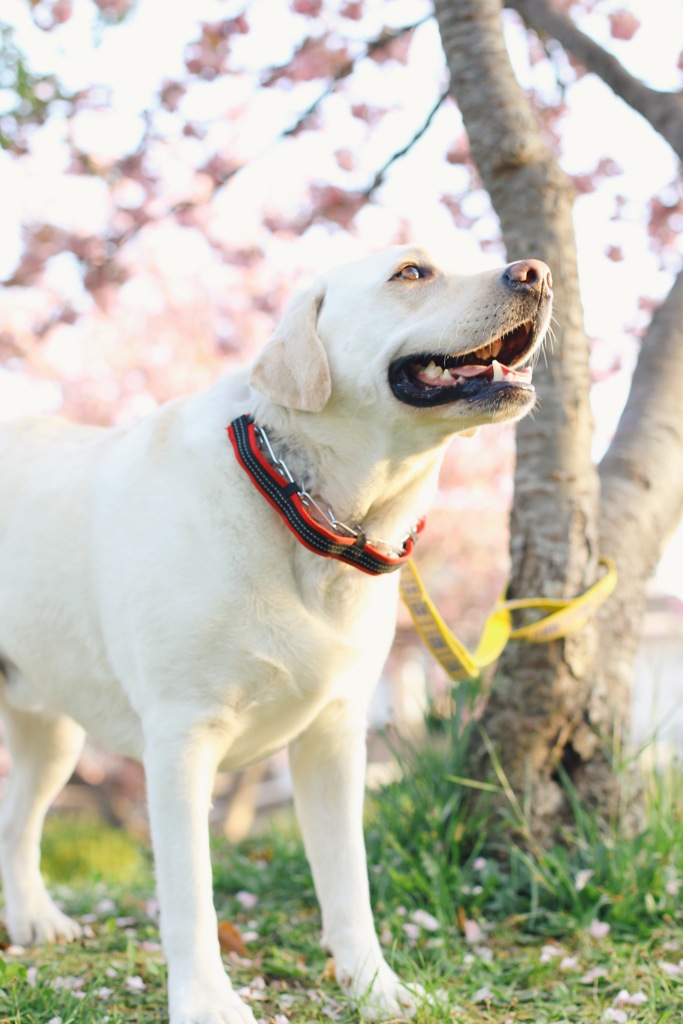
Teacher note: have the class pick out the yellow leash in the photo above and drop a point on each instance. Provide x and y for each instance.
(565, 617)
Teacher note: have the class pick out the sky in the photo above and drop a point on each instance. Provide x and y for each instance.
(130, 60)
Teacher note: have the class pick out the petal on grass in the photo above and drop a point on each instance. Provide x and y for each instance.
(582, 878)
(549, 953)
(472, 931)
(135, 983)
(246, 899)
(598, 929)
(425, 920)
(593, 975)
(625, 997)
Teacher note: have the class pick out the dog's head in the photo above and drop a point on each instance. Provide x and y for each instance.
(396, 329)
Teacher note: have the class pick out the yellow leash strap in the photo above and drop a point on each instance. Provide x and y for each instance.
(566, 617)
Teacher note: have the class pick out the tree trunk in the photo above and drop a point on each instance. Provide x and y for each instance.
(552, 705)
(642, 486)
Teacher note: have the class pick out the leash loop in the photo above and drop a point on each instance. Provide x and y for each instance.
(566, 616)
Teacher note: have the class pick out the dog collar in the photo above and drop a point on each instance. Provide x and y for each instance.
(315, 528)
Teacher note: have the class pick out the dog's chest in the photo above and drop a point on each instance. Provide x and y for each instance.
(286, 659)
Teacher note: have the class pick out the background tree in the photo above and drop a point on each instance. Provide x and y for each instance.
(560, 704)
(168, 208)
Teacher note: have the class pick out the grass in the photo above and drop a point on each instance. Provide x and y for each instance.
(586, 932)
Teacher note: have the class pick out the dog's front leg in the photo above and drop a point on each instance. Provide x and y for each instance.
(328, 770)
(180, 765)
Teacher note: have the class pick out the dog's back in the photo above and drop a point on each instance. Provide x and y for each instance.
(47, 468)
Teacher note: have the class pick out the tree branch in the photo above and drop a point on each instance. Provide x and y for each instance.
(642, 485)
(663, 110)
(381, 173)
(382, 41)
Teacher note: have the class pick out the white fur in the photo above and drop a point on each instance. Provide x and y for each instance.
(150, 597)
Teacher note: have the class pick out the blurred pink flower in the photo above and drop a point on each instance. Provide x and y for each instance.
(625, 997)
(473, 932)
(598, 929)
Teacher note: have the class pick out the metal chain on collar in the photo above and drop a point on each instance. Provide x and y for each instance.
(324, 510)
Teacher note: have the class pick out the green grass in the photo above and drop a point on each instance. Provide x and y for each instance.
(495, 931)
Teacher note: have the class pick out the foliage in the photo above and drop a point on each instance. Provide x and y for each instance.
(445, 845)
(491, 926)
(99, 852)
(29, 96)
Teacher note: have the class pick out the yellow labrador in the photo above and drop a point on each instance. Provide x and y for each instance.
(196, 598)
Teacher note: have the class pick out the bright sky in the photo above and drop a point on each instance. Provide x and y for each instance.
(130, 60)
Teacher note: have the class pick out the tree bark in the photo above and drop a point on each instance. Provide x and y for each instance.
(536, 710)
(552, 705)
(642, 486)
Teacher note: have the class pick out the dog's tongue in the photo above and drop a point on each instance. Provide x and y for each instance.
(496, 371)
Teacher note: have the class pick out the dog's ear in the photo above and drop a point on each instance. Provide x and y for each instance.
(293, 369)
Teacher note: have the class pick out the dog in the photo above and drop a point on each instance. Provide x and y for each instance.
(217, 582)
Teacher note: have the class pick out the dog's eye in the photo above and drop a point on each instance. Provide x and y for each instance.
(411, 272)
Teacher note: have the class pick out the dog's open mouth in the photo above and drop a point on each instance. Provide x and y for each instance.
(433, 379)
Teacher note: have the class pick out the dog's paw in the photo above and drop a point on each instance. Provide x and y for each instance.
(205, 1007)
(41, 921)
(379, 994)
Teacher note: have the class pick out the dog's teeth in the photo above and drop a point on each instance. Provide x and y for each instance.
(446, 377)
(432, 370)
(496, 347)
(498, 372)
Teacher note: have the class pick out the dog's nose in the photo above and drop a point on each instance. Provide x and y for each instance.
(533, 274)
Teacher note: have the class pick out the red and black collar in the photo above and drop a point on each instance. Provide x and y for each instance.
(290, 501)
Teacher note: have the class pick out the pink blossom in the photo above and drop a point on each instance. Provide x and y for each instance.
(635, 999)
(473, 932)
(69, 983)
(425, 920)
(246, 899)
(598, 929)
(582, 879)
(593, 975)
(672, 969)
(549, 952)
